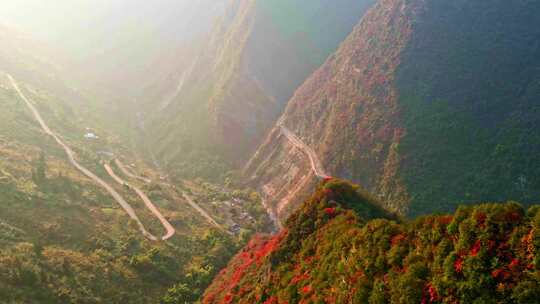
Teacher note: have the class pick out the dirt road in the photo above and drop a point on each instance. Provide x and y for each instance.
(71, 156)
(170, 229)
(203, 213)
(127, 172)
(316, 164)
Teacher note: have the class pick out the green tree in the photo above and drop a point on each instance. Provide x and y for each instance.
(179, 294)
(39, 174)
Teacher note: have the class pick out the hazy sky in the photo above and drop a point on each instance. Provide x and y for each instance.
(86, 25)
(54, 18)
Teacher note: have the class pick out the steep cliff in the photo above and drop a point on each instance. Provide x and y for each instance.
(426, 101)
(234, 90)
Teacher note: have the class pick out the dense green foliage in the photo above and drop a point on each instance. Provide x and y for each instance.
(107, 270)
(328, 253)
(469, 84)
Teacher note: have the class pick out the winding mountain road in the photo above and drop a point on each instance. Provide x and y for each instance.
(71, 156)
(127, 172)
(192, 203)
(170, 229)
(316, 164)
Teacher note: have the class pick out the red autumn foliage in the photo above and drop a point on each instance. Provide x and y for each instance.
(476, 248)
(255, 251)
(227, 299)
(528, 243)
(271, 300)
(500, 274)
(330, 211)
(396, 239)
(209, 299)
(356, 276)
(458, 265)
(514, 264)
(433, 294)
(503, 245)
(269, 247)
(430, 294)
(300, 277)
(309, 260)
(307, 289)
(330, 300)
(445, 220)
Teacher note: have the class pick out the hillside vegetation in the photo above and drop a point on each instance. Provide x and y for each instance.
(341, 248)
(63, 239)
(428, 104)
(221, 105)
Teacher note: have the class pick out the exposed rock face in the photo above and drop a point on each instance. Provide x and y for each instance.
(378, 111)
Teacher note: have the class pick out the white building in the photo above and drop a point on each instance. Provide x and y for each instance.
(90, 135)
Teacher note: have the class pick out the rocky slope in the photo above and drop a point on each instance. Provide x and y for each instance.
(340, 248)
(233, 91)
(424, 102)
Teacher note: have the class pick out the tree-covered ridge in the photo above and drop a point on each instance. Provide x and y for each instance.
(468, 87)
(329, 253)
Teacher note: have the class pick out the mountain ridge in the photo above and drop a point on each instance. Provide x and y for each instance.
(382, 112)
(329, 253)
(242, 78)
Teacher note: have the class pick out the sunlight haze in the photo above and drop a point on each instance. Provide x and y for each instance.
(269, 151)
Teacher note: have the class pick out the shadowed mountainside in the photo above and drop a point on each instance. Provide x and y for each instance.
(427, 104)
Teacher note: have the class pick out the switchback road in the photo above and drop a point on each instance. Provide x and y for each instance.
(127, 172)
(315, 163)
(147, 202)
(71, 156)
